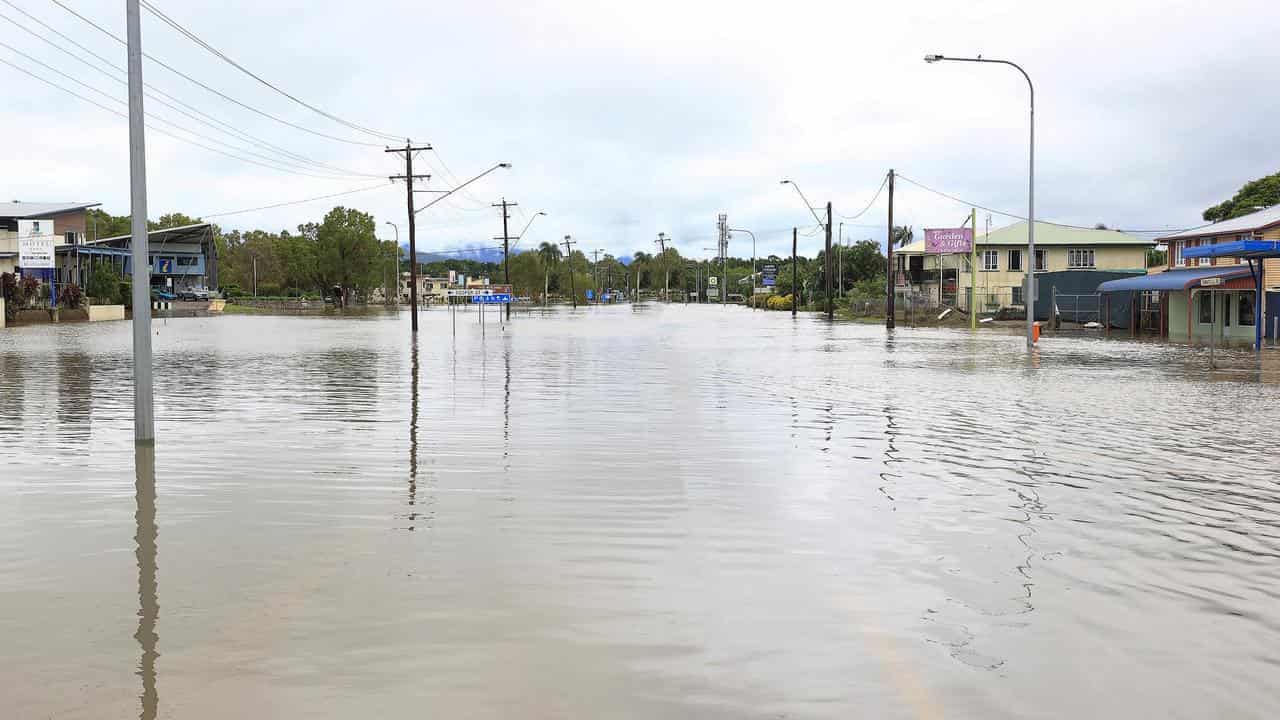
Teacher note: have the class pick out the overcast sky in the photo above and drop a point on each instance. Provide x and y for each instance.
(623, 120)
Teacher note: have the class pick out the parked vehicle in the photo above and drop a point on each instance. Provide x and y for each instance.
(159, 294)
(193, 293)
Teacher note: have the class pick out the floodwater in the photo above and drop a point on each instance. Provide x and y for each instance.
(681, 512)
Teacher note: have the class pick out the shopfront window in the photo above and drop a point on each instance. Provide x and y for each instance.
(1206, 308)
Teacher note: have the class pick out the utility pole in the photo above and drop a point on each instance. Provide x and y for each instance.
(840, 259)
(795, 290)
(595, 273)
(408, 178)
(506, 247)
(573, 286)
(829, 286)
(666, 272)
(973, 270)
(889, 319)
(724, 259)
(144, 426)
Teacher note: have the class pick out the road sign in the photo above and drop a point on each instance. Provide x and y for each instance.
(590, 294)
(713, 293)
(1211, 282)
(491, 299)
(713, 281)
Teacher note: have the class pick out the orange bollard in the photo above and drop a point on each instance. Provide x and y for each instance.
(1035, 332)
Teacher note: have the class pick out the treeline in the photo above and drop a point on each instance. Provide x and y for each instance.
(341, 255)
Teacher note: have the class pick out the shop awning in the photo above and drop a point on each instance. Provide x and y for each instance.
(1235, 248)
(1175, 279)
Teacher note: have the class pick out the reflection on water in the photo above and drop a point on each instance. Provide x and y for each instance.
(148, 599)
(636, 512)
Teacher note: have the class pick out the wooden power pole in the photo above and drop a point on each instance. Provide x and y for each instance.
(409, 149)
(794, 275)
(826, 273)
(506, 248)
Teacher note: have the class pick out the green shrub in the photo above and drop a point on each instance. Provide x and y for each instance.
(125, 293)
(104, 286)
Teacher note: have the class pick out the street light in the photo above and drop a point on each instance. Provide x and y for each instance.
(805, 199)
(396, 274)
(526, 225)
(1029, 294)
(753, 261)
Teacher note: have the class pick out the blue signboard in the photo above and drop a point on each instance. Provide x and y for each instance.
(494, 299)
(164, 266)
(590, 294)
(770, 281)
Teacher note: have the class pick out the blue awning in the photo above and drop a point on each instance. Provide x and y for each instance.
(1235, 248)
(1174, 279)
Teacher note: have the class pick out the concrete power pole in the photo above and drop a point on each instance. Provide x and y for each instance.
(408, 178)
(144, 426)
(568, 255)
(724, 258)
(889, 319)
(661, 242)
(506, 247)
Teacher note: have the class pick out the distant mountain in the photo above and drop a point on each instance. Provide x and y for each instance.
(479, 254)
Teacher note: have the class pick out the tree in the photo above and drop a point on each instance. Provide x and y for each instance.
(549, 254)
(1255, 194)
(104, 285)
(902, 235)
(1156, 257)
(346, 251)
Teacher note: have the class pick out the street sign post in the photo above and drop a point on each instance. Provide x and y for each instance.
(491, 299)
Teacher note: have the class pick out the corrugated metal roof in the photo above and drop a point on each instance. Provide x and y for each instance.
(40, 209)
(1046, 234)
(1174, 279)
(1243, 224)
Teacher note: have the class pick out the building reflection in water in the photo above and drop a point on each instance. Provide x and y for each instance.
(148, 601)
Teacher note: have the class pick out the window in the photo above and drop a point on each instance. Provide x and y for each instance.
(1042, 260)
(1017, 294)
(1015, 260)
(1176, 250)
(990, 260)
(1205, 261)
(1206, 308)
(1079, 259)
(188, 262)
(1245, 302)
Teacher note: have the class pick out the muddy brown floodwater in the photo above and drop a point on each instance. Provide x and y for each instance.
(681, 512)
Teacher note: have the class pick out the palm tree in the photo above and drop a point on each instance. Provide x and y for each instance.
(902, 235)
(550, 255)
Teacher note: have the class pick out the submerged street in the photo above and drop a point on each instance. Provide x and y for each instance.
(635, 511)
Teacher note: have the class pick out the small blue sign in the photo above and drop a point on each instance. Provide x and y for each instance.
(164, 266)
(590, 294)
(494, 299)
(770, 281)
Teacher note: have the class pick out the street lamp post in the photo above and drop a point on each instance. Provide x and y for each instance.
(1029, 294)
(395, 275)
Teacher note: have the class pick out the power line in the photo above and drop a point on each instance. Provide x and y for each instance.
(170, 101)
(195, 114)
(219, 93)
(1024, 217)
(294, 202)
(860, 213)
(222, 56)
(288, 165)
(162, 131)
